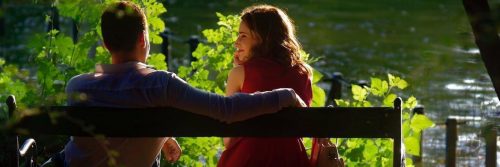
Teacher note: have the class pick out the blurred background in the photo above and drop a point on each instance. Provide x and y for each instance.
(427, 42)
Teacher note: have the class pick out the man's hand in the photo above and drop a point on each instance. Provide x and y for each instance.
(333, 155)
(171, 150)
(299, 102)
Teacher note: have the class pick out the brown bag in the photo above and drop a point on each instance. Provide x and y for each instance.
(325, 154)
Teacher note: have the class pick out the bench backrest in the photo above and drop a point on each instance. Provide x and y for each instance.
(334, 122)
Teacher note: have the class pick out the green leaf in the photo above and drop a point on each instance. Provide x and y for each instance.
(389, 100)
(155, 39)
(316, 76)
(410, 103)
(402, 84)
(305, 56)
(47, 18)
(397, 82)
(406, 128)
(406, 115)
(420, 122)
(53, 32)
(157, 61)
(183, 72)
(319, 96)
(353, 143)
(378, 87)
(358, 93)
(342, 103)
(370, 150)
(412, 145)
(366, 104)
(409, 162)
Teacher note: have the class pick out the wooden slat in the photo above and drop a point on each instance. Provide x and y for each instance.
(153, 122)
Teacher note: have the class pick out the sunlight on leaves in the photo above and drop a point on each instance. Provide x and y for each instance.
(420, 122)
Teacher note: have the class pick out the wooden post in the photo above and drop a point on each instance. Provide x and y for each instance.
(165, 45)
(12, 141)
(193, 44)
(398, 159)
(490, 135)
(417, 160)
(335, 89)
(487, 40)
(75, 32)
(54, 20)
(451, 142)
(2, 20)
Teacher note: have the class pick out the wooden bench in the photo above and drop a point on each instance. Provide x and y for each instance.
(333, 122)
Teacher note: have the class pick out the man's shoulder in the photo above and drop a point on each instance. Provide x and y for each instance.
(162, 74)
(142, 77)
(75, 80)
(82, 76)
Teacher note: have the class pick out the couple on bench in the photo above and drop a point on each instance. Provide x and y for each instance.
(269, 74)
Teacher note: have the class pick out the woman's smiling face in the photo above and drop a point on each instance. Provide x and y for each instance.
(244, 44)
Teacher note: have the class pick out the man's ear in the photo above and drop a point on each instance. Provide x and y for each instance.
(142, 39)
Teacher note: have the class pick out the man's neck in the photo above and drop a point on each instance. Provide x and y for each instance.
(120, 59)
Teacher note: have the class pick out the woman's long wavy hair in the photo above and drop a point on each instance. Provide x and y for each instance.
(276, 34)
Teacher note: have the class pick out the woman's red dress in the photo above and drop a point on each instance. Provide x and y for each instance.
(263, 74)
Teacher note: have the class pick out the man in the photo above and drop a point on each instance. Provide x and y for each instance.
(128, 82)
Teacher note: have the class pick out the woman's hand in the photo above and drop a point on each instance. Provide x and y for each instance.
(171, 150)
(236, 60)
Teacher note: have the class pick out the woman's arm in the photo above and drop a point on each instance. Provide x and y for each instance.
(235, 81)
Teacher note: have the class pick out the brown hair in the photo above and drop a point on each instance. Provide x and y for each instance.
(276, 34)
(121, 24)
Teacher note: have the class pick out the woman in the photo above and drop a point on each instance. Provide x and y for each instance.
(267, 57)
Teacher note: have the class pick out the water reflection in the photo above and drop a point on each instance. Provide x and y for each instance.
(465, 86)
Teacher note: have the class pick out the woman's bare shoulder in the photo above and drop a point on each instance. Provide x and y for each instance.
(237, 71)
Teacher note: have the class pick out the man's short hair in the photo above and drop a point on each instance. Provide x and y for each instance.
(121, 24)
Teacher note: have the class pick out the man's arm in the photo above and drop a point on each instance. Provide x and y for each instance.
(229, 109)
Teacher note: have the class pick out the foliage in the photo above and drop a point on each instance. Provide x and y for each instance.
(367, 152)
(214, 59)
(209, 72)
